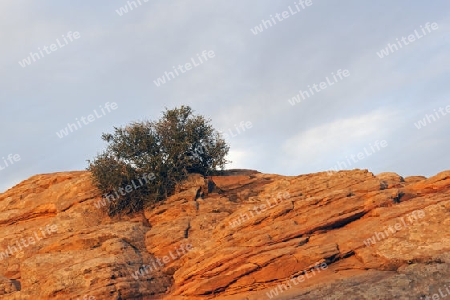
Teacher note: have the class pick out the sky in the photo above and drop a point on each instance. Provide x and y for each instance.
(257, 57)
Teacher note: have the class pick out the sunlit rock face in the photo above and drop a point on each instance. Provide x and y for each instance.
(243, 235)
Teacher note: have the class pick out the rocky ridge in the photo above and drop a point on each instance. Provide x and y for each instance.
(246, 235)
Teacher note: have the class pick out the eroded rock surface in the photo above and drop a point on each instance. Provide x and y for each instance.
(241, 236)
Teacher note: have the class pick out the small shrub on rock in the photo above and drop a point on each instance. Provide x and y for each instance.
(145, 160)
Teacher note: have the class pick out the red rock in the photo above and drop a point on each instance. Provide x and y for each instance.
(249, 233)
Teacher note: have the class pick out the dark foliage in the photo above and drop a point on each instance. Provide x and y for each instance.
(162, 152)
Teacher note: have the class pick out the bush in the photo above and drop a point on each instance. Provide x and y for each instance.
(145, 160)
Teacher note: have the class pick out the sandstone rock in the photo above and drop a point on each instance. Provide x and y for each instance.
(381, 237)
(7, 286)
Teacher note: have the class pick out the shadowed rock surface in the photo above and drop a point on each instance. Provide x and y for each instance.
(250, 234)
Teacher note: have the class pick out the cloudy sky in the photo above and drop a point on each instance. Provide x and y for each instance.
(120, 52)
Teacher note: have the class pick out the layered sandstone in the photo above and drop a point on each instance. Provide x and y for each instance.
(231, 237)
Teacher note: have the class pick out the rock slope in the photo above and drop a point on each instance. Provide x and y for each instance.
(247, 235)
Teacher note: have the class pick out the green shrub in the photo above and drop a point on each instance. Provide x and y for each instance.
(152, 157)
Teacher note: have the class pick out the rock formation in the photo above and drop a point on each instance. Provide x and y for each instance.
(243, 235)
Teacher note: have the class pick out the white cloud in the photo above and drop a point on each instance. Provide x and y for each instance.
(238, 158)
(331, 139)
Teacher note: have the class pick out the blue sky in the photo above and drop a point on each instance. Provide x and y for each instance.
(250, 79)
